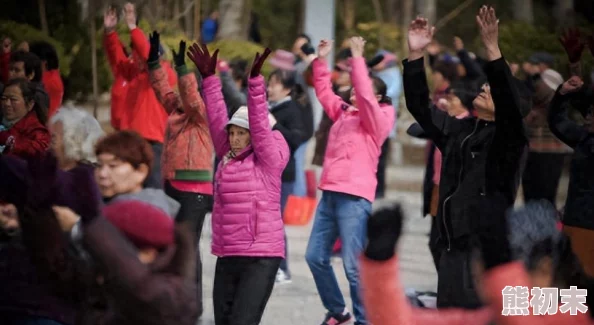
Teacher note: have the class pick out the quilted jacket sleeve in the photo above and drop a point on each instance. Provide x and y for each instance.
(165, 93)
(217, 115)
(269, 146)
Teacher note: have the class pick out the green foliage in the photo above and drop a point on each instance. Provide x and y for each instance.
(370, 31)
(231, 49)
(21, 32)
(518, 41)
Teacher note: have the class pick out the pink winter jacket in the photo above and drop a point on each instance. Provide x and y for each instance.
(356, 137)
(246, 219)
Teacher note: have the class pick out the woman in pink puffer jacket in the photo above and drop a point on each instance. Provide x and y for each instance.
(247, 227)
(348, 178)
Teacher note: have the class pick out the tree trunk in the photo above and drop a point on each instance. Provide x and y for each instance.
(564, 13)
(42, 16)
(429, 9)
(393, 11)
(523, 11)
(377, 7)
(349, 15)
(93, 36)
(300, 15)
(246, 19)
(197, 20)
(407, 16)
(232, 19)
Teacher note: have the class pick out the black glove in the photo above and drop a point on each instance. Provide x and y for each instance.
(179, 58)
(155, 41)
(383, 230)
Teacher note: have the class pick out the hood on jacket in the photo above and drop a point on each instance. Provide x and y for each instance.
(154, 197)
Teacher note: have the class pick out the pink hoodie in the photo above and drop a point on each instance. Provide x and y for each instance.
(356, 137)
(246, 219)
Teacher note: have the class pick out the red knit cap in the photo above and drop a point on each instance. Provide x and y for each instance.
(142, 223)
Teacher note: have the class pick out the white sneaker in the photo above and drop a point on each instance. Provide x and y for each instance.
(282, 277)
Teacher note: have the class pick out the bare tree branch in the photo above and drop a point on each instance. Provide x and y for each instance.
(185, 12)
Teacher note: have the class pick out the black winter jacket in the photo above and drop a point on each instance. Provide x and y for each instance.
(289, 122)
(482, 160)
(579, 207)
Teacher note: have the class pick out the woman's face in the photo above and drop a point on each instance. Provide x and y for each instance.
(343, 79)
(276, 90)
(115, 176)
(239, 138)
(14, 105)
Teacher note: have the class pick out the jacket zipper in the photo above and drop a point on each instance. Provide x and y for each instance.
(458, 187)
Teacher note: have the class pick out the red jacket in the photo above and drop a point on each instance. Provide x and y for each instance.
(52, 82)
(142, 111)
(28, 137)
(188, 150)
(386, 304)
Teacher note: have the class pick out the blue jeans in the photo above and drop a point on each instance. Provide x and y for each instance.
(286, 190)
(300, 188)
(344, 215)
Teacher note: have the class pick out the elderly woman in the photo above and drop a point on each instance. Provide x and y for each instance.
(22, 130)
(247, 226)
(74, 135)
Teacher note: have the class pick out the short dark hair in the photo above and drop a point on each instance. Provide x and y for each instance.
(447, 69)
(344, 54)
(285, 77)
(303, 35)
(127, 146)
(31, 62)
(46, 52)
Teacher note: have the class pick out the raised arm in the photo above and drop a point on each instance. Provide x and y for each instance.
(213, 97)
(376, 120)
(139, 42)
(509, 124)
(416, 90)
(333, 105)
(269, 146)
(560, 124)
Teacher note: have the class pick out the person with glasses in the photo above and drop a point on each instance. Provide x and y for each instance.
(22, 130)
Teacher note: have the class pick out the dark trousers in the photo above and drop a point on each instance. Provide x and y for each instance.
(434, 247)
(193, 209)
(455, 279)
(382, 163)
(154, 179)
(541, 176)
(242, 286)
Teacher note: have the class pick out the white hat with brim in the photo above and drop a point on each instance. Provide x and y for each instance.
(240, 118)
